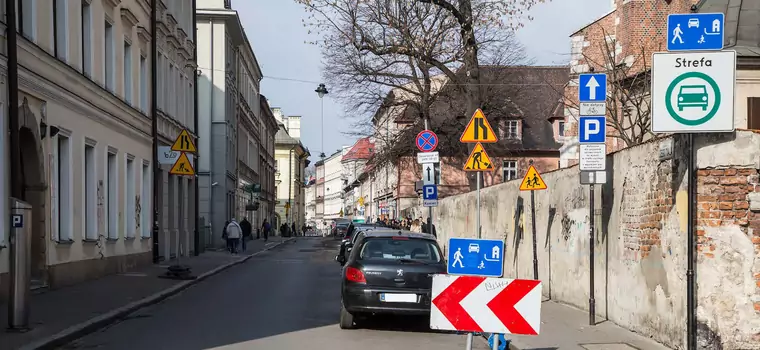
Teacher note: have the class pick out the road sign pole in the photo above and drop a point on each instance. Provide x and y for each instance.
(430, 209)
(535, 240)
(591, 301)
(477, 220)
(691, 331)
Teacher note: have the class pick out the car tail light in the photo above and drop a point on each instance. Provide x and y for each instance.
(400, 238)
(355, 275)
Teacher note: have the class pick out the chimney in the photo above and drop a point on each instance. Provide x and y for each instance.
(294, 126)
(345, 150)
(277, 112)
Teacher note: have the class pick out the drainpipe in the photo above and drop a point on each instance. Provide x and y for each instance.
(290, 185)
(154, 125)
(197, 233)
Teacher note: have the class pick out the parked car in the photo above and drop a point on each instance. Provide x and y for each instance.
(389, 272)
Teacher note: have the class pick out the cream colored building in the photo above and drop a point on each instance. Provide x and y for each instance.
(84, 92)
(291, 157)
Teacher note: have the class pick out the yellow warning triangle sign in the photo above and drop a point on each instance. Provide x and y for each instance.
(532, 181)
(478, 160)
(182, 166)
(184, 143)
(478, 130)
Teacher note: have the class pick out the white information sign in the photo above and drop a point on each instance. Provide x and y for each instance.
(593, 156)
(428, 157)
(593, 108)
(693, 92)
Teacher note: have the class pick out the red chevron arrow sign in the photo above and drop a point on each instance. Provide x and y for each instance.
(483, 304)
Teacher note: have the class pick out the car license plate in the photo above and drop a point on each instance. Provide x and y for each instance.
(398, 298)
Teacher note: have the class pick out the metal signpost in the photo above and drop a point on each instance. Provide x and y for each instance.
(20, 265)
(533, 182)
(426, 142)
(183, 166)
(693, 92)
(477, 131)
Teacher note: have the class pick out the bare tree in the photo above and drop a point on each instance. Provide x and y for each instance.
(628, 84)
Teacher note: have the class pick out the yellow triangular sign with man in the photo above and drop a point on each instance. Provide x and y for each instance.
(182, 166)
(478, 130)
(184, 143)
(478, 160)
(532, 181)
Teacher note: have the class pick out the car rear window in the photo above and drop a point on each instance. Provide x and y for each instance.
(394, 248)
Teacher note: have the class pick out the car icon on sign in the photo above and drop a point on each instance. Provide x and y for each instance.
(473, 248)
(692, 96)
(693, 22)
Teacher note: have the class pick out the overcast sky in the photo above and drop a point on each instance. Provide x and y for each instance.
(292, 68)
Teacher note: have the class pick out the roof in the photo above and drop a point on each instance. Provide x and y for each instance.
(742, 24)
(531, 94)
(282, 138)
(385, 232)
(363, 149)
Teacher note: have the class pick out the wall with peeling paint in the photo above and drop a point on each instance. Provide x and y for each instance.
(640, 241)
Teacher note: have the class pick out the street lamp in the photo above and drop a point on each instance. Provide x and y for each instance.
(322, 91)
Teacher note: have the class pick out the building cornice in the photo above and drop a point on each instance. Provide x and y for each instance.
(128, 17)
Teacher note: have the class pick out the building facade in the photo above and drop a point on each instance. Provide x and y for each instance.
(267, 165)
(319, 193)
(354, 162)
(223, 51)
(85, 133)
(333, 187)
(292, 159)
(310, 200)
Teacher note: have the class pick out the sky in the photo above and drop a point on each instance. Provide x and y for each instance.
(292, 67)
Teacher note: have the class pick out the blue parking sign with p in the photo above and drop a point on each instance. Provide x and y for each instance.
(592, 129)
(429, 192)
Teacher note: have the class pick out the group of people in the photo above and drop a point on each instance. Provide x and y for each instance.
(237, 234)
(418, 225)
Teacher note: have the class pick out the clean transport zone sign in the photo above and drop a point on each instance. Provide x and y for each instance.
(693, 92)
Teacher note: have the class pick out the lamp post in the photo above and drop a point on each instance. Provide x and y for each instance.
(322, 91)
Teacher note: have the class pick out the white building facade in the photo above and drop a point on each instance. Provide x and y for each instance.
(85, 132)
(333, 198)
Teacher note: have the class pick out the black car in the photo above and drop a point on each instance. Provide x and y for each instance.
(389, 272)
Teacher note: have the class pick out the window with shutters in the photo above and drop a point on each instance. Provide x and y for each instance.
(753, 113)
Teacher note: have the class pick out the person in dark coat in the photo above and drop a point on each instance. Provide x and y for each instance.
(245, 225)
(293, 227)
(430, 228)
(266, 227)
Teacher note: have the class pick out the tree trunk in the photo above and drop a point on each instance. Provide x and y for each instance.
(472, 69)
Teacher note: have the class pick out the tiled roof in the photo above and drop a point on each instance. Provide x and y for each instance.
(363, 149)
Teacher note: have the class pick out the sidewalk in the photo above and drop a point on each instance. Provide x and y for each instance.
(62, 315)
(566, 328)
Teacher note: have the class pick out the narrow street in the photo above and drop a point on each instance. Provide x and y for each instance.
(286, 298)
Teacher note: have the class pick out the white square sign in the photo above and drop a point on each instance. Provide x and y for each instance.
(593, 156)
(693, 92)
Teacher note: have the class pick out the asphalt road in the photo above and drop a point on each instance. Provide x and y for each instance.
(287, 298)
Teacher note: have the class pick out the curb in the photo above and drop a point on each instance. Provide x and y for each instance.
(79, 330)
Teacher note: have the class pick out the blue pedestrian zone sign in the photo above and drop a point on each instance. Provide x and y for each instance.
(476, 257)
(592, 87)
(695, 31)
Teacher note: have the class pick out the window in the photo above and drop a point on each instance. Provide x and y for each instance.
(108, 56)
(396, 248)
(131, 225)
(62, 205)
(561, 128)
(143, 84)
(90, 193)
(161, 83)
(145, 200)
(112, 205)
(60, 29)
(27, 18)
(181, 100)
(127, 72)
(753, 113)
(509, 129)
(86, 39)
(172, 97)
(508, 170)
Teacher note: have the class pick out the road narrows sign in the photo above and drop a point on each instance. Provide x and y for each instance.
(532, 181)
(478, 130)
(184, 143)
(485, 304)
(693, 92)
(182, 166)
(478, 160)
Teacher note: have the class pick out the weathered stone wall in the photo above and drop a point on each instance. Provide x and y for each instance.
(640, 238)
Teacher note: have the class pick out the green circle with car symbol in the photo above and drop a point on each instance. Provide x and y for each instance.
(692, 96)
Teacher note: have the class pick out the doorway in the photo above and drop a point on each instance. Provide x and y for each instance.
(34, 190)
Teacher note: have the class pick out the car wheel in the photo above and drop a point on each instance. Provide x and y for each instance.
(346, 318)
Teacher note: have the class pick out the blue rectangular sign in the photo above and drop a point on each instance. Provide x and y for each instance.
(592, 129)
(592, 87)
(476, 257)
(695, 31)
(429, 192)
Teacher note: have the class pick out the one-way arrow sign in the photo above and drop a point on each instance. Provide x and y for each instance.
(481, 304)
(592, 87)
(428, 173)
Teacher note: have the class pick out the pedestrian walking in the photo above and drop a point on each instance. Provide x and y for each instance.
(265, 228)
(224, 235)
(245, 225)
(431, 228)
(234, 232)
(415, 227)
(295, 232)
